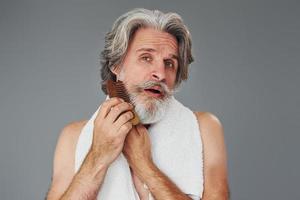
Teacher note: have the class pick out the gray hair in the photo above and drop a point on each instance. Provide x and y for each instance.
(118, 39)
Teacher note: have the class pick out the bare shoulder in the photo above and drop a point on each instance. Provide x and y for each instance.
(212, 135)
(64, 158)
(66, 144)
(208, 118)
(72, 130)
(215, 156)
(68, 137)
(209, 121)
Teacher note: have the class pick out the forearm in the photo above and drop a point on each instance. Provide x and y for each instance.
(160, 186)
(216, 195)
(87, 182)
(217, 191)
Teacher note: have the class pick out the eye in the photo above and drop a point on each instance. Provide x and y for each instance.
(146, 58)
(169, 64)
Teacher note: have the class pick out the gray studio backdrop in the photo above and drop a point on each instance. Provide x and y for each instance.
(246, 72)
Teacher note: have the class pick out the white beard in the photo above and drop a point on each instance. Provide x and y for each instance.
(152, 113)
(149, 110)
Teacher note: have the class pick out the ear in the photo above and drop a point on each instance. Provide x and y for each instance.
(116, 70)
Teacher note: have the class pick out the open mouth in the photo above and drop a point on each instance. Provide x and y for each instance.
(154, 92)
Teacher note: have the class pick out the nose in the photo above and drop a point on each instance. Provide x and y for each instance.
(158, 72)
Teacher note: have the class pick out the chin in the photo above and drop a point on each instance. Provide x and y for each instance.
(150, 110)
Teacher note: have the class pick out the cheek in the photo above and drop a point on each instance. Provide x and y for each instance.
(171, 80)
(136, 75)
(131, 79)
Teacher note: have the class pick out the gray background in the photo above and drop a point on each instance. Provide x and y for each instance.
(246, 72)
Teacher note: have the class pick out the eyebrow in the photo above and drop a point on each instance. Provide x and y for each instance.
(146, 49)
(153, 50)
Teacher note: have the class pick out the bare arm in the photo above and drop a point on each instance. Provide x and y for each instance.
(65, 183)
(160, 186)
(215, 158)
(138, 153)
(87, 182)
(63, 164)
(110, 129)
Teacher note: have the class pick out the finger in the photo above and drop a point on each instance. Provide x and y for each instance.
(124, 129)
(107, 105)
(117, 110)
(123, 118)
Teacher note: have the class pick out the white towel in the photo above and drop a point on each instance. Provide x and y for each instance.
(176, 150)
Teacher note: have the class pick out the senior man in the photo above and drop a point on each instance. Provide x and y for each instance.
(174, 153)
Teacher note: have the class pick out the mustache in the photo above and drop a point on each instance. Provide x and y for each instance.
(149, 84)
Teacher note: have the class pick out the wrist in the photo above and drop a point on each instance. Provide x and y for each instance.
(94, 167)
(96, 159)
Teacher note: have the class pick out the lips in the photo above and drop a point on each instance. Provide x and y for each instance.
(154, 91)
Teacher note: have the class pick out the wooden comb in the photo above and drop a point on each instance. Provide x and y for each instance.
(117, 89)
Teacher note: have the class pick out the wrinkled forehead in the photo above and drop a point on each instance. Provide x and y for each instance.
(149, 38)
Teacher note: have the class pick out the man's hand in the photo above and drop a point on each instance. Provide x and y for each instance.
(111, 126)
(110, 129)
(137, 148)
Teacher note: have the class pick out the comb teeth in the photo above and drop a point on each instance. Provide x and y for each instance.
(122, 92)
(117, 89)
